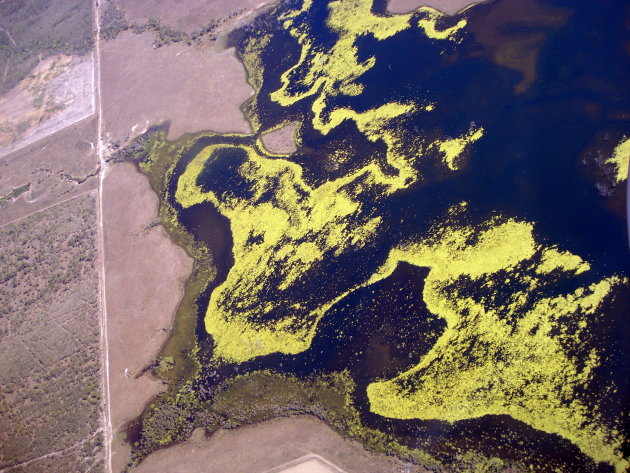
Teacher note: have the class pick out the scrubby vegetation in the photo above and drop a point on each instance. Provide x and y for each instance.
(31, 30)
(243, 399)
(137, 147)
(260, 396)
(50, 390)
(113, 23)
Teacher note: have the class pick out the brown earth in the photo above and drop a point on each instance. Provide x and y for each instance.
(145, 275)
(188, 15)
(195, 87)
(450, 7)
(57, 93)
(26, 105)
(262, 447)
(56, 168)
(282, 140)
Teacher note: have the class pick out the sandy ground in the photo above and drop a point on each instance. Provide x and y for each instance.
(57, 93)
(58, 167)
(265, 446)
(449, 7)
(196, 88)
(281, 141)
(188, 15)
(308, 464)
(145, 277)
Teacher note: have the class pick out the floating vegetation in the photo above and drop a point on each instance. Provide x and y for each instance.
(523, 356)
(621, 160)
(417, 273)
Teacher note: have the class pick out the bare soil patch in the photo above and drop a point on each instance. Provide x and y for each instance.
(195, 87)
(308, 464)
(49, 171)
(282, 140)
(187, 15)
(56, 94)
(50, 369)
(145, 277)
(450, 7)
(265, 446)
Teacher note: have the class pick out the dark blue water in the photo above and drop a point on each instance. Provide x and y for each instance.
(527, 166)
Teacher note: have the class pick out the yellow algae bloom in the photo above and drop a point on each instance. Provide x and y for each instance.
(553, 259)
(428, 24)
(328, 73)
(453, 148)
(621, 160)
(516, 351)
(501, 357)
(280, 231)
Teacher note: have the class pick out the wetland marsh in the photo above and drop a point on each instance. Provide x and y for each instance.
(433, 271)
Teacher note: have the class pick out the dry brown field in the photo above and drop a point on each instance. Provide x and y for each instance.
(50, 368)
(145, 276)
(262, 447)
(196, 88)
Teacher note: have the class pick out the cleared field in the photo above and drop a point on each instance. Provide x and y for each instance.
(49, 171)
(145, 275)
(50, 373)
(58, 93)
(144, 86)
(32, 30)
(265, 446)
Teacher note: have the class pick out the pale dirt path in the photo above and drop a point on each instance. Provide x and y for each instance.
(107, 424)
(9, 35)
